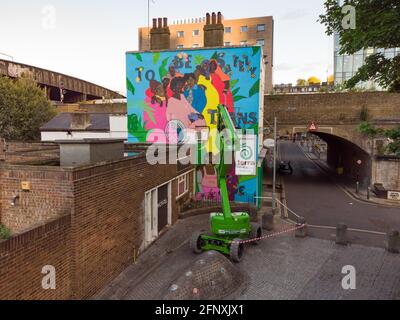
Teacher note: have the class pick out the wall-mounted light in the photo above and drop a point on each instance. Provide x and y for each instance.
(15, 201)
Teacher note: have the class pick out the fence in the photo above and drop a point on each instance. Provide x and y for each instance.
(341, 234)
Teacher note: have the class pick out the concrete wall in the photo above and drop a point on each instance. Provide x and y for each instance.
(388, 173)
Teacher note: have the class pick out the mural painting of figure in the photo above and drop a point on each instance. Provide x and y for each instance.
(232, 183)
(221, 82)
(209, 183)
(155, 117)
(179, 109)
(195, 94)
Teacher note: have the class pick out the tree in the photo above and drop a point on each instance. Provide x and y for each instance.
(302, 83)
(372, 132)
(314, 81)
(24, 108)
(394, 145)
(376, 26)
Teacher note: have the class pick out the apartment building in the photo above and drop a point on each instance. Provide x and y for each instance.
(188, 33)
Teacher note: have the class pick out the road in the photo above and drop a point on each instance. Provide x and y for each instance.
(312, 194)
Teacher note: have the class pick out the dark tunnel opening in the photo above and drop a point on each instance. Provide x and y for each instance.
(347, 159)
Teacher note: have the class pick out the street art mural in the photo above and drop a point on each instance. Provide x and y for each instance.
(171, 91)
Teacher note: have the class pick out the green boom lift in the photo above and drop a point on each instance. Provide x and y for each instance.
(228, 229)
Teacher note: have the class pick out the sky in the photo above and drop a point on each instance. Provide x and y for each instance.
(88, 39)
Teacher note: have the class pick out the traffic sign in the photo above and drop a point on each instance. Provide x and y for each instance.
(313, 127)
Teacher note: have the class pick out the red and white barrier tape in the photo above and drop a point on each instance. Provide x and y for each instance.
(271, 235)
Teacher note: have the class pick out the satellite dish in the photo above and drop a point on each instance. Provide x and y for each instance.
(269, 143)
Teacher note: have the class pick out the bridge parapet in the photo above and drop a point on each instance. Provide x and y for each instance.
(334, 108)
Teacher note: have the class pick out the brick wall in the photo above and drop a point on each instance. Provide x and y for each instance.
(105, 203)
(21, 152)
(51, 195)
(332, 108)
(108, 220)
(23, 257)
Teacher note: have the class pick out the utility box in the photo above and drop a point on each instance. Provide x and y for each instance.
(180, 90)
(74, 153)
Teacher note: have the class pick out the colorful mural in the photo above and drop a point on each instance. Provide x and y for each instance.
(171, 91)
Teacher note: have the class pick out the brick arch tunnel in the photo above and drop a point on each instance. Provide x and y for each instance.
(345, 154)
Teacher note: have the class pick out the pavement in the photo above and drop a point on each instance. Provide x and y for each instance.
(313, 193)
(282, 267)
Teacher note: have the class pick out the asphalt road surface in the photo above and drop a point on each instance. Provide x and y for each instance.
(311, 194)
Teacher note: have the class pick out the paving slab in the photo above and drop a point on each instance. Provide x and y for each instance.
(280, 268)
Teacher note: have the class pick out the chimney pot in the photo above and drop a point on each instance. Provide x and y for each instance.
(214, 18)
(154, 23)
(160, 23)
(208, 18)
(165, 22)
(219, 17)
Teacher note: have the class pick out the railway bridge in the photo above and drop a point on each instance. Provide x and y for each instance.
(59, 87)
(335, 118)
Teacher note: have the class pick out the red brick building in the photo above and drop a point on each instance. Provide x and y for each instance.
(90, 222)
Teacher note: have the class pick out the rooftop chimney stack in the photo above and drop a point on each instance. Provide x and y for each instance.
(160, 35)
(214, 30)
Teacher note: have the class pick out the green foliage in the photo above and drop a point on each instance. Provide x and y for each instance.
(256, 50)
(130, 86)
(377, 26)
(364, 115)
(254, 89)
(233, 83)
(138, 57)
(163, 71)
(394, 146)
(302, 83)
(369, 130)
(136, 128)
(235, 91)
(198, 60)
(24, 108)
(238, 98)
(5, 233)
(156, 57)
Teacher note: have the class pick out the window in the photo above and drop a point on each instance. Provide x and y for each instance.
(227, 44)
(261, 27)
(183, 185)
(244, 29)
(228, 29)
(195, 45)
(243, 42)
(196, 33)
(179, 46)
(261, 42)
(181, 34)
